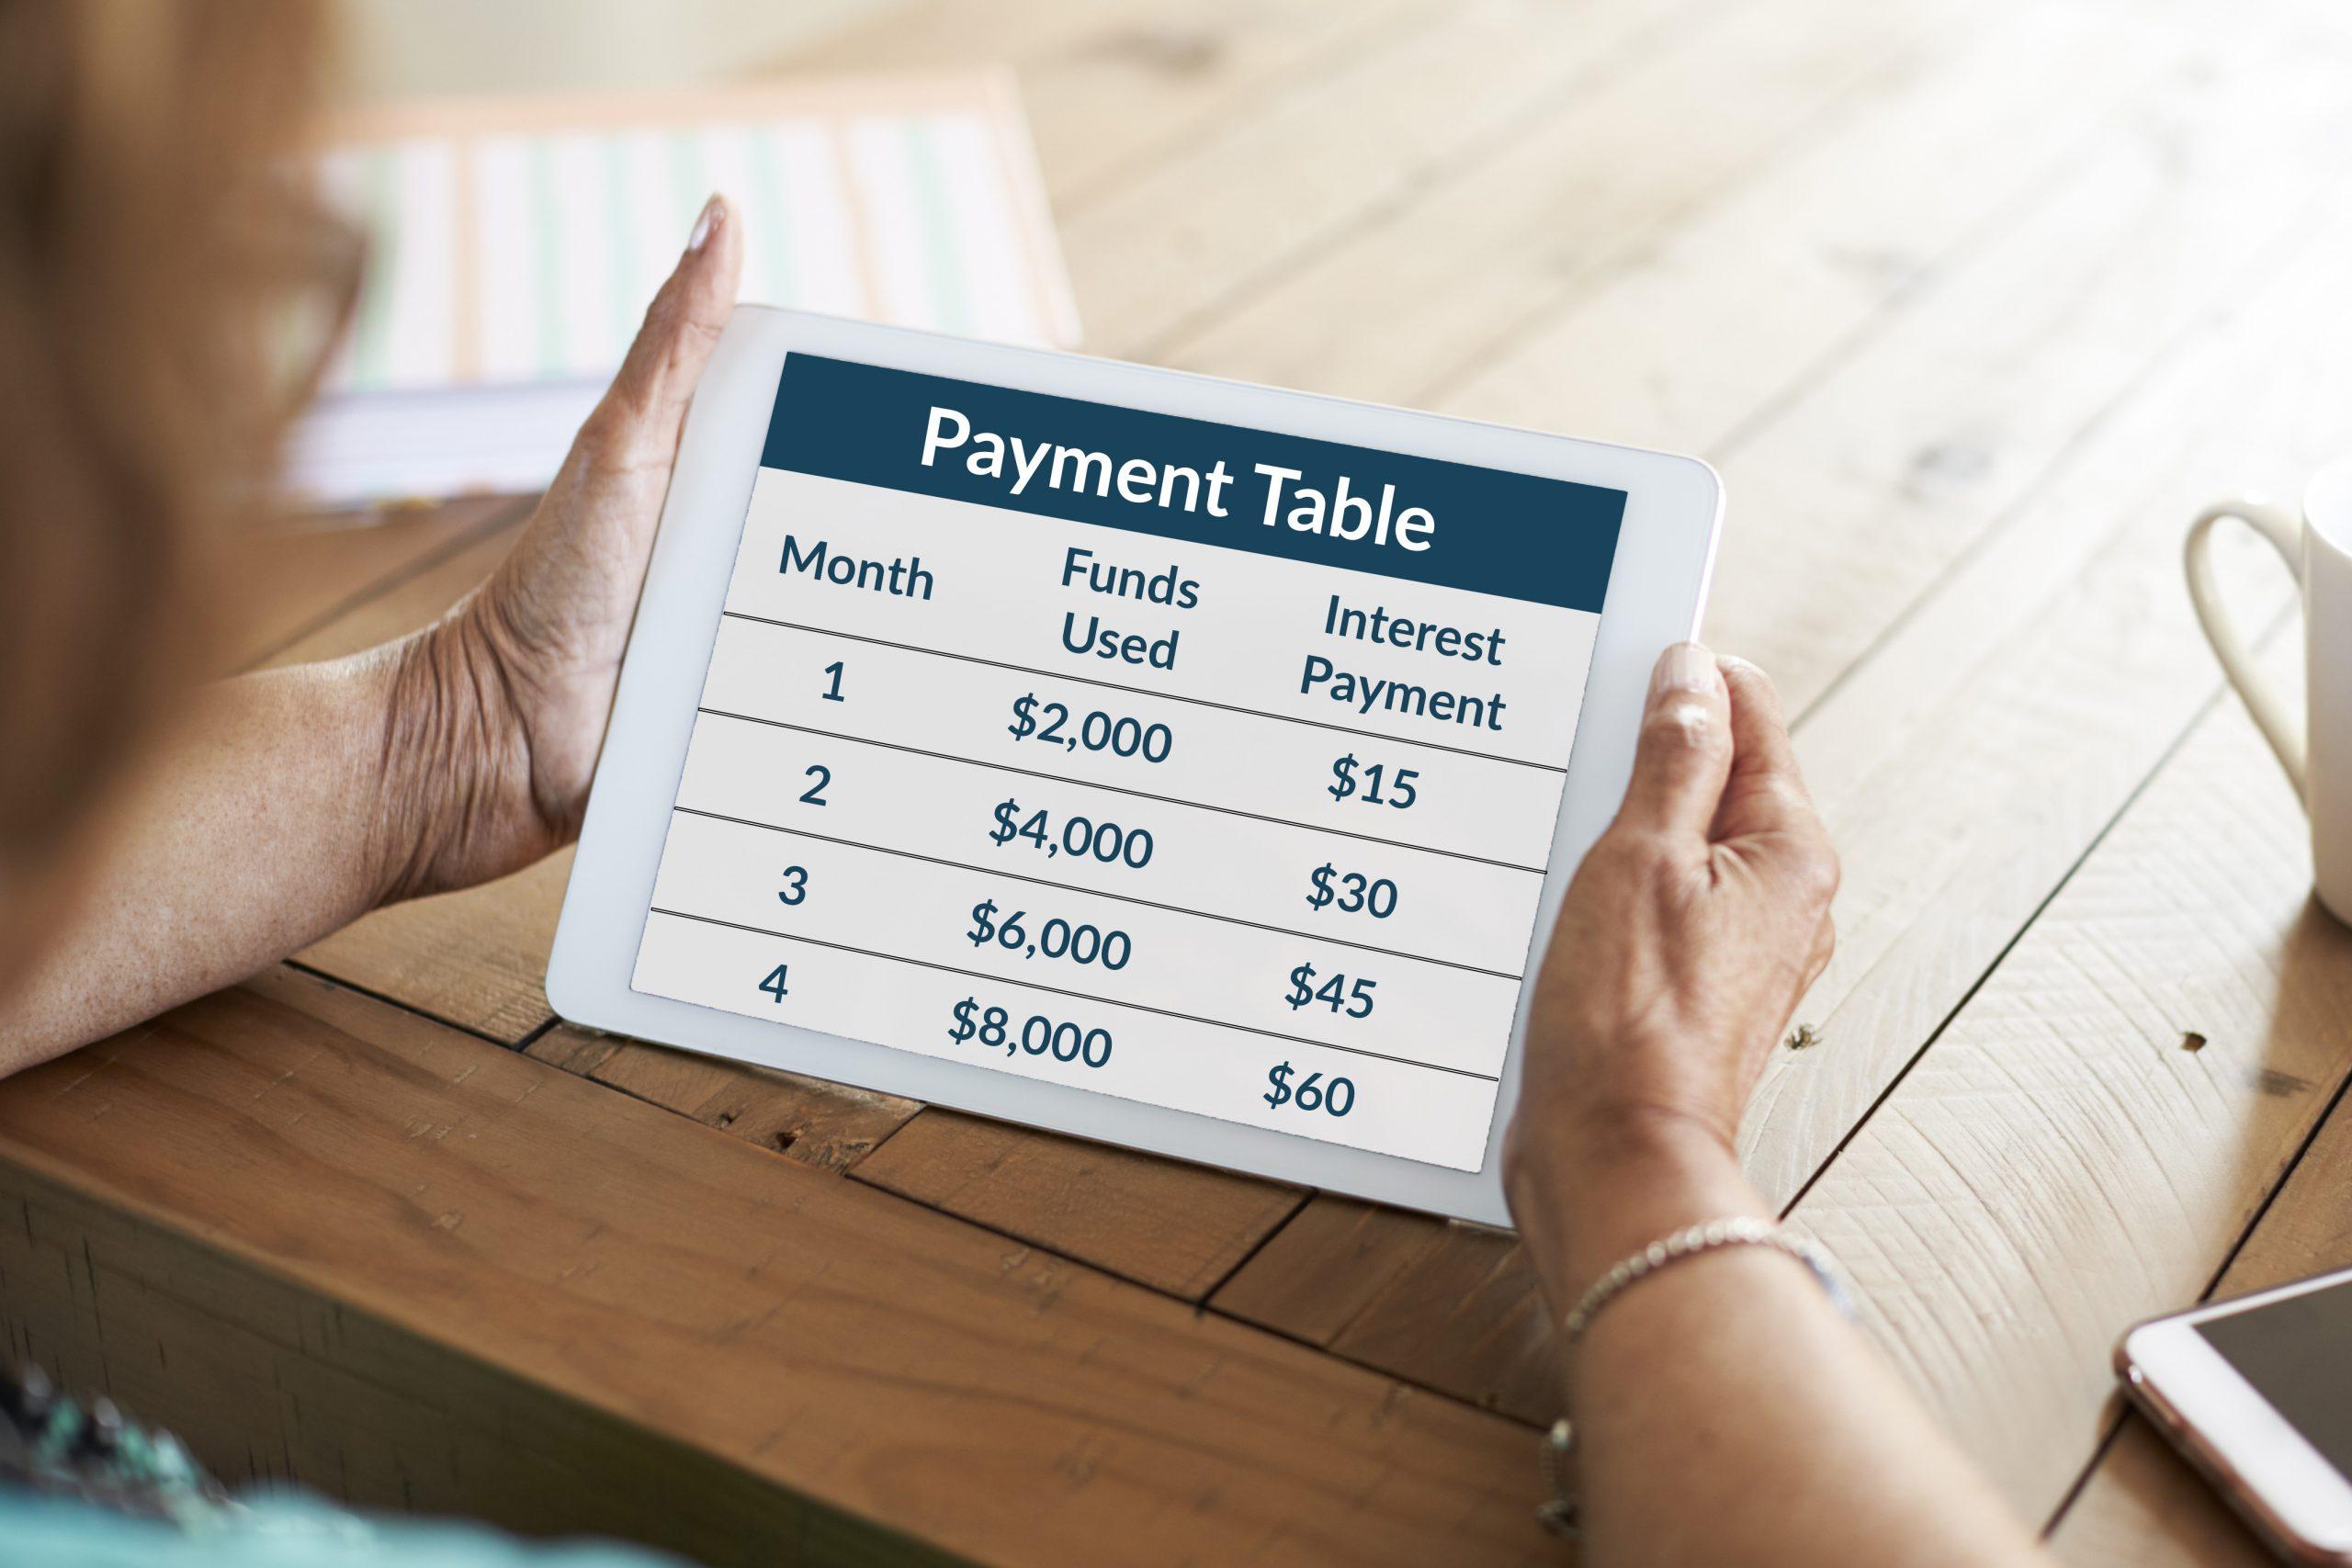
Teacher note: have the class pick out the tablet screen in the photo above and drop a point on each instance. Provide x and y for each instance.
(1194, 765)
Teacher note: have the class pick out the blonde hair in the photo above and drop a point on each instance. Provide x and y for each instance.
(150, 239)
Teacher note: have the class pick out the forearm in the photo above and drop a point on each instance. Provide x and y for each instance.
(261, 826)
(1724, 1411)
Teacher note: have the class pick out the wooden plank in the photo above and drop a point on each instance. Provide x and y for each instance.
(1110, 89)
(1181, 1229)
(2145, 1508)
(1448, 1305)
(2037, 687)
(477, 959)
(2061, 1164)
(418, 599)
(1245, 202)
(290, 582)
(271, 1383)
(2142, 1504)
(1861, 494)
(1337, 1259)
(829, 1125)
(1957, 721)
(1768, 184)
(431, 1203)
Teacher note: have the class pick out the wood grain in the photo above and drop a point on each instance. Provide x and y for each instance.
(431, 1203)
(1247, 200)
(1860, 492)
(829, 1125)
(415, 600)
(1827, 113)
(2035, 690)
(1177, 1228)
(291, 581)
(1710, 320)
(1109, 90)
(2059, 1165)
(1438, 1303)
(478, 959)
(2142, 1504)
(270, 1382)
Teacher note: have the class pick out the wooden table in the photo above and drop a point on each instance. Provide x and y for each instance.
(1973, 301)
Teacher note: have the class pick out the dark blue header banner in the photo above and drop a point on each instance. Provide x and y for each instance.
(1549, 541)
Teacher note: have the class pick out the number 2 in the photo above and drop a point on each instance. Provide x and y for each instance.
(815, 794)
(774, 985)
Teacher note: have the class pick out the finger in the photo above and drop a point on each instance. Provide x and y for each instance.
(1765, 793)
(1685, 752)
(641, 412)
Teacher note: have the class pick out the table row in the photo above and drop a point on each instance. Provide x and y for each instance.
(1103, 732)
(1195, 859)
(1367, 1103)
(988, 925)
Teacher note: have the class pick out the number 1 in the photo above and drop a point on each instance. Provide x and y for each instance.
(833, 691)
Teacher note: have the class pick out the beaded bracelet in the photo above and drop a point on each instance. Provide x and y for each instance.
(1560, 1514)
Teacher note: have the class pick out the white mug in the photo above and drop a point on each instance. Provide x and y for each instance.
(2317, 755)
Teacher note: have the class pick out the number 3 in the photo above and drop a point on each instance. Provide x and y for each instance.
(796, 884)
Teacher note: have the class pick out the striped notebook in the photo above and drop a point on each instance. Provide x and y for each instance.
(514, 247)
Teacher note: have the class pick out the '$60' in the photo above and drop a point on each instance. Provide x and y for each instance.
(1338, 1096)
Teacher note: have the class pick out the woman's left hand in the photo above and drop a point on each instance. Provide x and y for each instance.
(498, 711)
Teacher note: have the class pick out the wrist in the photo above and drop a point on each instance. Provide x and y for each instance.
(455, 804)
(1583, 1200)
(1595, 1150)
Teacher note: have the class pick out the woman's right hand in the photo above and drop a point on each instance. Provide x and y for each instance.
(1685, 940)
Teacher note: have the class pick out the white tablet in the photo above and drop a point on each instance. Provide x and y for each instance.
(1183, 764)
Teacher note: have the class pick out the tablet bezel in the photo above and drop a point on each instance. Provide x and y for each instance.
(1656, 591)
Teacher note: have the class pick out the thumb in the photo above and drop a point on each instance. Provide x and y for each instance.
(640, 417)
(1685, 754)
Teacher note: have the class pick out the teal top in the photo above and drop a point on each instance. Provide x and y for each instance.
(285, 1530)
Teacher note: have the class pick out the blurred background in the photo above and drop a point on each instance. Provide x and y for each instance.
(407, 47)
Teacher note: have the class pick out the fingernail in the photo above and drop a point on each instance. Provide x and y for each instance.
(1685, 667)
(714, 213)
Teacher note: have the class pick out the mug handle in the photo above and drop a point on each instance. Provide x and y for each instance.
(2285, 532)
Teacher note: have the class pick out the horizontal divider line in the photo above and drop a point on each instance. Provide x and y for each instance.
(1116, 789)
(1075, 995)
(1092, 893)
(1142, 691)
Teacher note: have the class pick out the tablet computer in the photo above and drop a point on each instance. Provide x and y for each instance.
(1172, 762)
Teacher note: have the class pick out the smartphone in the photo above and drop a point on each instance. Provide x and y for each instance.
(2258, 1393)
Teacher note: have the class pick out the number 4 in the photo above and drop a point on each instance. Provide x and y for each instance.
(774, 985)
